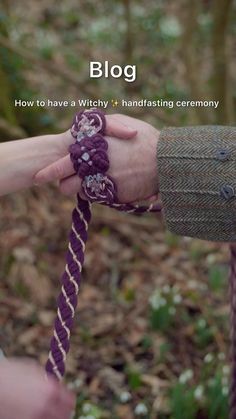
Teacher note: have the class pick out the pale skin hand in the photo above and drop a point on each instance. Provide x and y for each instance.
(20, 160)
(27, 394)
(132, 163)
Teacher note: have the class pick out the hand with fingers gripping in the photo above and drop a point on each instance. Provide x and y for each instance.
(132, 155)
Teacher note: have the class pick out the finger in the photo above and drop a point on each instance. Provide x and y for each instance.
(62, 403)
(118, 129)
(57, 170)
(71, 186)
(66, 405)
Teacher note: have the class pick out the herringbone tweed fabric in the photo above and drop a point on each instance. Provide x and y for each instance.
(197, 181)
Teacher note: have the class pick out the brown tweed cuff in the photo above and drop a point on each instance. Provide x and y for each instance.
(197, 179)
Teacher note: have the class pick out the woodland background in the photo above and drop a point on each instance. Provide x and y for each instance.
(151, 332)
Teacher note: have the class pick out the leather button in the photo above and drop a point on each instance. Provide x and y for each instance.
(227, 192)
(223, 154)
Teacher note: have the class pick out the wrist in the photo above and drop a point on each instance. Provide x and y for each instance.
(153, 182)
(20, 160)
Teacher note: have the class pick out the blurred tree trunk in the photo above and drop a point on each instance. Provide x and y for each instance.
(221, 77)
(191, 59)
(128, 47)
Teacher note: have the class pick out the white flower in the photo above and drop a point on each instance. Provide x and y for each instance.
(172, 311)
(170, 26)
(86, 407)
(224, 381)
(156, 300)
(177, 299)
(201, 323)
(141, 409)
(198, 392)
(162, 301)
(192, 284)
(221, 356)
(211, 259)
(185, 376)
(225, 390)
(125, 396)
(208, 358)
(166, 289)
(226, 370)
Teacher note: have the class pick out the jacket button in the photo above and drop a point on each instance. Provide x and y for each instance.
(227, 192)
(223, 154)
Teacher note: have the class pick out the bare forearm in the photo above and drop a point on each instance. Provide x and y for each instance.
(21, 159)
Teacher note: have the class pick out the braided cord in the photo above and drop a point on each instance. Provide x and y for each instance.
(90, 160)
(232, 296)
(67, 300)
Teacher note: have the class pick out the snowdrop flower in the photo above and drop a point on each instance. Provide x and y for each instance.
(162, 301)
(170, 26)
(177, 299)
(156, 300)
(224, 381)
(185, 376)
(192, 284)
(225, 390)
(211, 258)
(172, 311)
(125, 396)
(166, 289)
(208, 358)
(226, 370)
(86, 407)
(221, 356)
(141, 409)
(198, 392)
(201, 323)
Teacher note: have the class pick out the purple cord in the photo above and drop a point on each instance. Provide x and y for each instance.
(90, 160)
(232, 296)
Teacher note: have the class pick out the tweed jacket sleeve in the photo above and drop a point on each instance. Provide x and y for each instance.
(197, 181)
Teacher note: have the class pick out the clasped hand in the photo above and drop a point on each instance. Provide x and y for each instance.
(132, 155)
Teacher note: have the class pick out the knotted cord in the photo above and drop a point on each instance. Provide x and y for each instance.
(90, 160)
(232, 296)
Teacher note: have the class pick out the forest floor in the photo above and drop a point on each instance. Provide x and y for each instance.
(151, 327)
